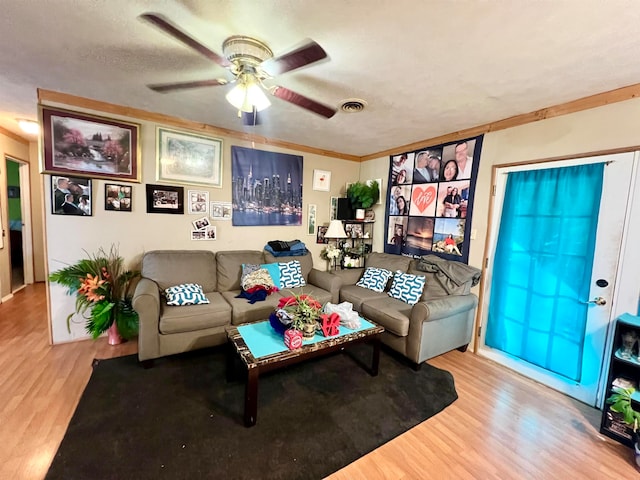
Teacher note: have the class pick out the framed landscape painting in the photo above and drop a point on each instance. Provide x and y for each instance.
(189, 158)
(78, 144)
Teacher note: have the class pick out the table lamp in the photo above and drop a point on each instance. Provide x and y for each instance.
(335, 231)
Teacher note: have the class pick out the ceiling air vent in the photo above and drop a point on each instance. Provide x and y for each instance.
(353, 105)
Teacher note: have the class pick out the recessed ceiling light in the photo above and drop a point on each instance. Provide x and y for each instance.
(28, 126)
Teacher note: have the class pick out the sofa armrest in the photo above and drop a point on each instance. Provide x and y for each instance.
(146, 302)
(438, 308)
(349, 276)
(326, 281)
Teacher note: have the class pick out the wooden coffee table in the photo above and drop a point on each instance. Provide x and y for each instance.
(261, 349)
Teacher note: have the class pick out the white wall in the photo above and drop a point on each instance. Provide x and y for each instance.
(138, 232)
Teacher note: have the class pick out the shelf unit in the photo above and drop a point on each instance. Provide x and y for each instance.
(363, 240)
(628, 369)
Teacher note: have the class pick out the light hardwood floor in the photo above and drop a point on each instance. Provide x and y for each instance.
(502, 426)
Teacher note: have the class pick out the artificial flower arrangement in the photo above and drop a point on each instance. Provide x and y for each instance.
(296, 311)
(331, 252)
(101, 285)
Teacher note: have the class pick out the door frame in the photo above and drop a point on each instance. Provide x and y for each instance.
(25, 212)
(626, 294)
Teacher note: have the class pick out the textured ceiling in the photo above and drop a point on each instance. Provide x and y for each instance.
(426, 68)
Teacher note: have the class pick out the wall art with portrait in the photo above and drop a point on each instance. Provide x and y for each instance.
(430, 200)
(266, 187)
(71, 196)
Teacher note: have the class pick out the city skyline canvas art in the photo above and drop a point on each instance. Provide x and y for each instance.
(266, 187)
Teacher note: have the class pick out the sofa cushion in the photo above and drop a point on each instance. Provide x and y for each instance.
(230, 267)
(321, 295)
(358, 295)
(388, 261)
(191, 318)
(172, 267)
(374, 279)
(407, 287)
(185, 294)
(390, 313)
(291, 275)
(245, 312)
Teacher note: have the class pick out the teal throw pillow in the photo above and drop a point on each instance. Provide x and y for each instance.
(407, 287)
(375, 279)
(291, 274)
(185, 294)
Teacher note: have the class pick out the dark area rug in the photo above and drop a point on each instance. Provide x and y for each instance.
(181, 419)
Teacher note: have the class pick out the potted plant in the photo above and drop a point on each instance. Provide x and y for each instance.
(363, 195)
(620, 402)
(299, 312)
(101, 285)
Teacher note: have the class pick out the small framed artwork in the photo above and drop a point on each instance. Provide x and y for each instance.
(165, 199)
(321, 180)
(201, 223)
(353, 230)
(13, 192)
(189, 158)
(71, 196)
(198, 201)
(208, 233)
(117, 197)
(333, 212)
(221, 210)
(90, 146)
(311, 220)
(320, 237)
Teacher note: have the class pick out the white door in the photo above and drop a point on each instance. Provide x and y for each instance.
(611, 221)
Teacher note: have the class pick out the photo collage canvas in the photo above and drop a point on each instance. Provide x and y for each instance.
(430, 200)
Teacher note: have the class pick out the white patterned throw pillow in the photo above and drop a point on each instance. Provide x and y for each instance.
(291, 274)
(374, 279)
(185, 294)
(407, 287)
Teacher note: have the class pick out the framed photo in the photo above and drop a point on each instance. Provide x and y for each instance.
(198, 201)
(221, 210)
(311, 220)
(208, 233)
(13, 192)
(117, 197)
(321, 180)
(78, 144)
(353, 230)
(320, 237)
(189, 158)
(165, 199)
(201, 223)
(71, 196)
(333, 211)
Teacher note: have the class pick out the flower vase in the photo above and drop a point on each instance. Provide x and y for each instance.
(114, 335)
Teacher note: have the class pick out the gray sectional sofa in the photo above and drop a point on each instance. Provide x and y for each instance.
(167, 330)
(442, 320)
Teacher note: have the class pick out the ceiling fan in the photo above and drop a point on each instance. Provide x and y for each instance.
(251, 62)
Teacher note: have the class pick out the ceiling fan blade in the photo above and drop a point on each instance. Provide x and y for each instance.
(168, 87)
(179, 35)
(302, 101)
(310, 52)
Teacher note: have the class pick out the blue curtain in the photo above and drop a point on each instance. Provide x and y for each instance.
(542, 266)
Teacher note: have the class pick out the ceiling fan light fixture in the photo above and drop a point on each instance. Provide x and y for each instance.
(247, 96)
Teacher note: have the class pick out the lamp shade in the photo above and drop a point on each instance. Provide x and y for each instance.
(335, 230)
(247, 95)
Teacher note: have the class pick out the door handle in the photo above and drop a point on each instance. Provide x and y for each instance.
(597, 301)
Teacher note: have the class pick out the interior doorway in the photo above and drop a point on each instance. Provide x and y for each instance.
(19, 208)
(576, 324)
